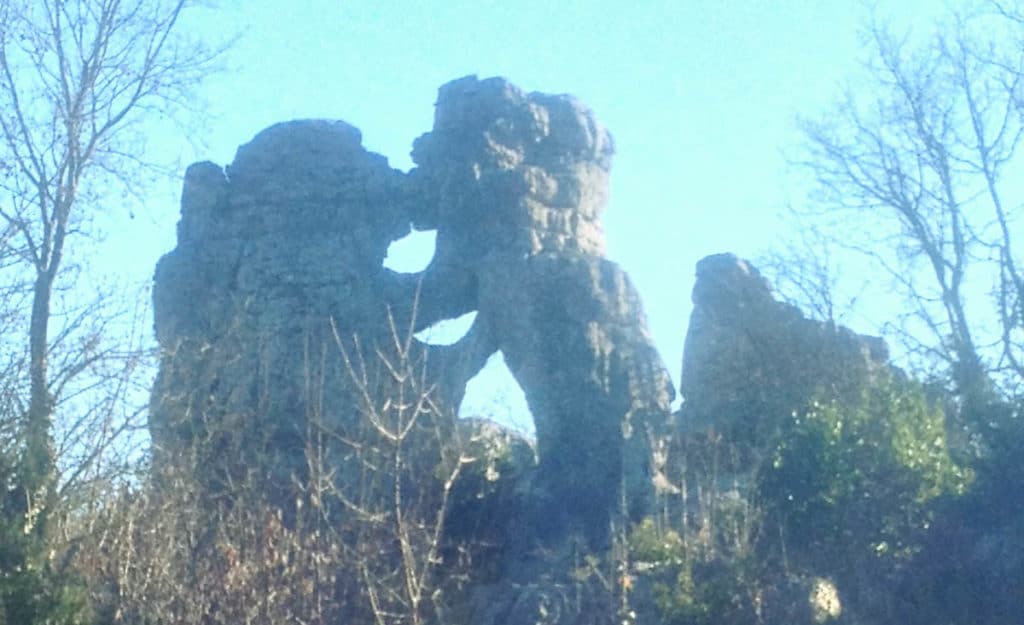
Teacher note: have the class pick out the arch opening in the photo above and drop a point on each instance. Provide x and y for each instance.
(412, 253)
(495, 394)
(447, 331)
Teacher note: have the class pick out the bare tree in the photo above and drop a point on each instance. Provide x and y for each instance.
(408, 437)
(77, 78)
(813, 283)
(360, 538)
(918, 161)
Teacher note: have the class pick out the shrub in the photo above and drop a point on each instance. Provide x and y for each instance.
(850, 484)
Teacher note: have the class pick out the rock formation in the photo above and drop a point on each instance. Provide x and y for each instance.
(273, 250)
(750, 360)
(516, 185)
(277, 319)
(279, 272)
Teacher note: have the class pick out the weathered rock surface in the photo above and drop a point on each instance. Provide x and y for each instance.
(280, 259)
(518, 183)
(275, 254)
(750, 359)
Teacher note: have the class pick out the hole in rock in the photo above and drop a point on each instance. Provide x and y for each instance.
(494, 394)
(412, 253)
(447, 331)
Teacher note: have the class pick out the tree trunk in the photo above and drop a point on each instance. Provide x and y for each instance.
(38, 464)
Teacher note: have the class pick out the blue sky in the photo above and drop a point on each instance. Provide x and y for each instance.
(700, 96)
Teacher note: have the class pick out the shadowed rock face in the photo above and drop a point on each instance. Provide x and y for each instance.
(749, 358)
(281, 253)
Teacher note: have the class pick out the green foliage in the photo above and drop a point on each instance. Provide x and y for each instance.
(678, 602)
(32, 590)
(710, 594)
(850, 482)
(37, 594)
(688, 589)
(970, 569)
(650, 544)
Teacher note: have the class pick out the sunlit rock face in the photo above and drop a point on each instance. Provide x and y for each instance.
(280, 256)
(272, 250)
(516, 186)
(750, 359)
(512, 173)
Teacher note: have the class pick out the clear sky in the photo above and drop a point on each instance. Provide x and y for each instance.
(700, 96)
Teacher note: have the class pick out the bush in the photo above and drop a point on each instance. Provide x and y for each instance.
(850, 485)
(971, 569)
(688, 588)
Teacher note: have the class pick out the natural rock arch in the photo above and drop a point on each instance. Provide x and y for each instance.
(284, 249)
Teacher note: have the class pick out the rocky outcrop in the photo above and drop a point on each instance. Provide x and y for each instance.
(750, 360)
(276, 255)
(278, 276)
(517, 186)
